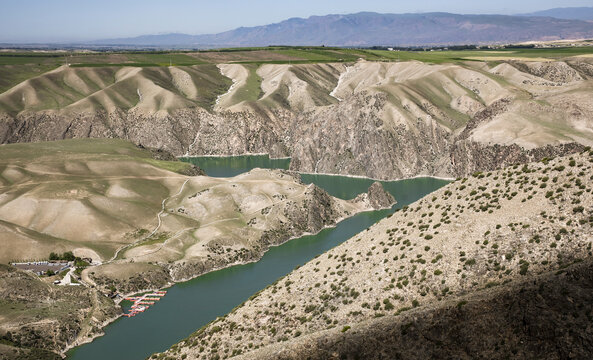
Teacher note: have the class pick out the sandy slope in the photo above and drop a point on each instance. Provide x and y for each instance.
(239, 75)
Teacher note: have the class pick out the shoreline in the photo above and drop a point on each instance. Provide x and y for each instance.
(229, 156)
(375, 179)
(320, 173)
(88, 340)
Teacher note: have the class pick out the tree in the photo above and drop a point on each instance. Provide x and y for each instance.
(68, 256)
(54, 256)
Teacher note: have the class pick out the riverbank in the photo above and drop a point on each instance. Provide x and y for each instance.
(364, 200)
(220, 290)
(475, 234)
(269, 157)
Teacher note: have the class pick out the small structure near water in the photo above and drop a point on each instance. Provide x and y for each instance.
(143, 302)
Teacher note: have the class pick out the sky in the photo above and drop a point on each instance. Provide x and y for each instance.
(80, 20)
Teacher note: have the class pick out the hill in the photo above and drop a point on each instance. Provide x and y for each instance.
(111, 201)
(443, 114)
(368, 29)
(39, 319)
(570, 13)
(467, 260)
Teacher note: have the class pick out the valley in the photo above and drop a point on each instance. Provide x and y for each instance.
(294, 201)
(142, 222)
(110, 201)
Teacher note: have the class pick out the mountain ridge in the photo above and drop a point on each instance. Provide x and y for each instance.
(573, 13)
(370, 28)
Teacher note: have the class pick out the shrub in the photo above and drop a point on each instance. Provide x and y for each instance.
(524, 267)
(578, 209)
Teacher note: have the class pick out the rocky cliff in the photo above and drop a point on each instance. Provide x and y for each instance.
(381, 120)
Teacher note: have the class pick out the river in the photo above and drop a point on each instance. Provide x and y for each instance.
(192, 304)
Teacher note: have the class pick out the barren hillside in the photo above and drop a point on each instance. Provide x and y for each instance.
(111, 201)
(384, 120)
(493, 230)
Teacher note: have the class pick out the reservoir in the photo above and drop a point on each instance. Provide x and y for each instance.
(193, 304)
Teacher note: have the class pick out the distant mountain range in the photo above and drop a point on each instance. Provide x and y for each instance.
(368, 29)
(573, 13)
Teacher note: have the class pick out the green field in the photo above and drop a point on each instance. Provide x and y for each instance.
(292, 54)
(438, 57)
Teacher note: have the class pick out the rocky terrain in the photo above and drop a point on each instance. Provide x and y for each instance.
(496, 264)
(385, 120)
(38, 320)
(116, 204)
(547, 316)
(493, 242)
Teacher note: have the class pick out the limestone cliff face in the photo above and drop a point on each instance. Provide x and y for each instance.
(381, 120)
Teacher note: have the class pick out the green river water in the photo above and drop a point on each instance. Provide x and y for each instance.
(193, 304)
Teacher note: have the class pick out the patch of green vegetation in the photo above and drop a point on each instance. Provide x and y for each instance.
(251, 90)
(439, 57)
(11, 75)
(319, 54)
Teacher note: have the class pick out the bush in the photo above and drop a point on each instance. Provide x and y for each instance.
(524, 267)
(578, 209)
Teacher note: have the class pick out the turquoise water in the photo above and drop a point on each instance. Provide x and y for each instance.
(192, 304)
(235, 165)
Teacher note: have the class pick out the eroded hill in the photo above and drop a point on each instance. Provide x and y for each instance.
(384, 120)
(114, 203)
(476, 247)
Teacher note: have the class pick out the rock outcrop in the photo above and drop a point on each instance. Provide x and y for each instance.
(382, 120)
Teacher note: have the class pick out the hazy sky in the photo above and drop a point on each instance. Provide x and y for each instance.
(70, 20)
